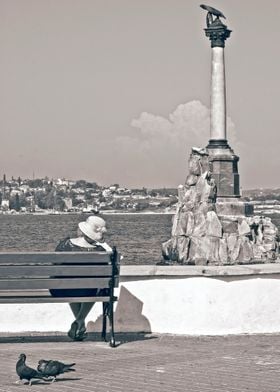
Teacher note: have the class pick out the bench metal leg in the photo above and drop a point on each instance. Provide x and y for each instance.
(111, 319)
(104, 320)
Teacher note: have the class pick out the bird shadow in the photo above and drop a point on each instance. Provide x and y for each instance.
(37, 382)
(47, 382)
(68, 379)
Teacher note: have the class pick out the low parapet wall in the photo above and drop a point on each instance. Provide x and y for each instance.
(195, 300)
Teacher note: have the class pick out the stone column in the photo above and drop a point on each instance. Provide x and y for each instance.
(218, 96)
(218, 33)
(224, 161)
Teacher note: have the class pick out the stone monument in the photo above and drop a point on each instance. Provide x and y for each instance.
(212, 224)
(224, 161)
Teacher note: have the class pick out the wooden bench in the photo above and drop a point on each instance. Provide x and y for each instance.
(26, 277)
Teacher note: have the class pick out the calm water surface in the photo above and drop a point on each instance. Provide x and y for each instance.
(138, 237)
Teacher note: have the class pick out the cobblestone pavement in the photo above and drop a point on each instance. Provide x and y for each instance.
(150, 363)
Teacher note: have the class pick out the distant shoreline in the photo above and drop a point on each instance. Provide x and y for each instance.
(138, 212)
(116, 212)
(105, 212)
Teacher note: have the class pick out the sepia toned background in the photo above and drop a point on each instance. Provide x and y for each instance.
(117, 91)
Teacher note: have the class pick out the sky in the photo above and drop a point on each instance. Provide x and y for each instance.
(118, 91)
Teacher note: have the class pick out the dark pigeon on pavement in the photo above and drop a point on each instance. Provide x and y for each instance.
(25, 372)
(51, 368)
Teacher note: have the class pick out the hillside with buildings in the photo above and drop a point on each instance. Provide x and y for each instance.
(265, 201)
(69, 196)
(63, 195)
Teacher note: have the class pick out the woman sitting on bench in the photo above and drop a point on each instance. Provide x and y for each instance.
(90, 238)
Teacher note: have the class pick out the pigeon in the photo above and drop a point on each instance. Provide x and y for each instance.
(50, 368)
(25, 372)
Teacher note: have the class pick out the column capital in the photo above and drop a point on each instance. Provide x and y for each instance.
(217, 33)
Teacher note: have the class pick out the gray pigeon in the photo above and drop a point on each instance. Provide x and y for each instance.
(25, 372)
(50, 368)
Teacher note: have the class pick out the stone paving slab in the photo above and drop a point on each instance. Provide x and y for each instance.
(150, 363)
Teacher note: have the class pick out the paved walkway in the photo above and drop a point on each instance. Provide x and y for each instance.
(150, 363)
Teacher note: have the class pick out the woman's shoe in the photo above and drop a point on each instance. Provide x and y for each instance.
(81, 333)
(72, 333)
(81, 336)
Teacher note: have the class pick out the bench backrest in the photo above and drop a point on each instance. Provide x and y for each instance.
(58, 270)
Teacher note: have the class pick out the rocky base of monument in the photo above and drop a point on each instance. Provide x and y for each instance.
(202, 237)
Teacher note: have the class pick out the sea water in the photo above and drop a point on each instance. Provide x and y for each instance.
(137, 236)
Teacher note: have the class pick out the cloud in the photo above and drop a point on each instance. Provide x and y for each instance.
(190, 122)
(158, 148)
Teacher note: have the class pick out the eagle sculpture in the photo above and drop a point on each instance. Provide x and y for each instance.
(211, 11)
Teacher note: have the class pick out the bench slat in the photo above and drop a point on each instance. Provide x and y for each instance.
(48, 299)
(55, 258)
(55, 270)
(60, 283)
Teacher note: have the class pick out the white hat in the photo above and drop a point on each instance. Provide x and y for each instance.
(89, 226)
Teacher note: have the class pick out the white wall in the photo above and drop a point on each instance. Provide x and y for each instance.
(203, 306)
(194, 305)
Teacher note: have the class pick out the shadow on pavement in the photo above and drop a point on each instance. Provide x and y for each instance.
(41, 383)
(67, 379)
(121, 338)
